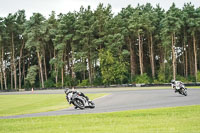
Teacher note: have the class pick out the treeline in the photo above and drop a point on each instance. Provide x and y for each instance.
(94, 47)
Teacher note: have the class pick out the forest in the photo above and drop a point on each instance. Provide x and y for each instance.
(142, 44)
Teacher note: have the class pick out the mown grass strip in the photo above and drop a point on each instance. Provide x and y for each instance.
(162, 120)
(34, 103)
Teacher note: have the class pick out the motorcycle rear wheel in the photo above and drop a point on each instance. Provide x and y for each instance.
(79, 103)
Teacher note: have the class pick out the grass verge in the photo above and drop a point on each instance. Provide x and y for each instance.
(34, 103)
(161, 120)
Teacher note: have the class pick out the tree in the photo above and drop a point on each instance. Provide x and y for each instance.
(129, 36)
(10, 22)
(172, 24)
(193, 22)
(35, 30)
(113, 71)
(63, 45)
(31, 75)
(150, 28)
(52, 26)
(136, 23)
(20, 20)
(84, 34)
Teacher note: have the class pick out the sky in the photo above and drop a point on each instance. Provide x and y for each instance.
(45, 7)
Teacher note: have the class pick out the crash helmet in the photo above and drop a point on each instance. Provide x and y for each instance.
(173, 81)
(67, 90)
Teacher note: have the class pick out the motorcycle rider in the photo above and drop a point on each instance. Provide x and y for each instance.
(73, 91)
(174, 83)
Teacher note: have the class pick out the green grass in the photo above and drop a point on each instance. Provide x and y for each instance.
(162, 120)
(26, 104)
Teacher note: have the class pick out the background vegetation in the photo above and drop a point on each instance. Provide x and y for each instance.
(144, 44)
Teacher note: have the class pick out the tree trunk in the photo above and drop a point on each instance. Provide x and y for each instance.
(14, 65)
(90, 68)
(195, 57)
(20, 73)
(140, 55)
(1, 73)
(84, 73)
(41, 71)
(190, 57)
(1, 78)
(45, 68)
(185, 56)
(132, 59)
(62, 73)
(55, 67)
(4, 69)
(173, 56)
(11, 74)
(152, 56)
(24, 72)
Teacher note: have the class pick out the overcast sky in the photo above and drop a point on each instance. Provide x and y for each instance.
(64, 6)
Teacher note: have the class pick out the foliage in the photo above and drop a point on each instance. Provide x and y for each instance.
(70, 82)
(101, 47)
(198, 76)
(84, 83)
(113, 71)
(165, 73)
(142, 79)
(98, 81)
(31, 76)
(49, 83)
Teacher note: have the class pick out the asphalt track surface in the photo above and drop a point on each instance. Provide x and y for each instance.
(121, 100)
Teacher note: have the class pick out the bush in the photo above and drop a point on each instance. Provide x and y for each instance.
(49, 83)
(59, 84)
(84, 83)
(70, 82)
(198, 76)
(143, 79)
(98, 81)
(191, 79)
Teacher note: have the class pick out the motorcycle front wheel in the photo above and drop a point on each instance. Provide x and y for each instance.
(184, 92)
(91, 104)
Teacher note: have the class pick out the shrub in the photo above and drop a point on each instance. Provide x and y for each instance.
(70, 82)
(143, 79)
(49, 83)
(98, 81)
(191, 78)
(198, 76)
(59, 84)
(84, 83)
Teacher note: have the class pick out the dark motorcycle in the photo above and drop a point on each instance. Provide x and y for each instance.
(78, 99)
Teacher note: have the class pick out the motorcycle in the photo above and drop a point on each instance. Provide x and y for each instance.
(79, 100)
(179, 87)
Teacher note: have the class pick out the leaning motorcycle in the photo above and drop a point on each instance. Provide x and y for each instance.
(79, 101)
(181, 89)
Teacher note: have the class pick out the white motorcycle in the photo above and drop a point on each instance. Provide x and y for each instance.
(180, 87)
(78, 99)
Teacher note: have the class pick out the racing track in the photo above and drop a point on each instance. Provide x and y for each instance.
(125, 99)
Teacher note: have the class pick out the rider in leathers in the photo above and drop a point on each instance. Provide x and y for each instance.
(67, 90)
(174, 83)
